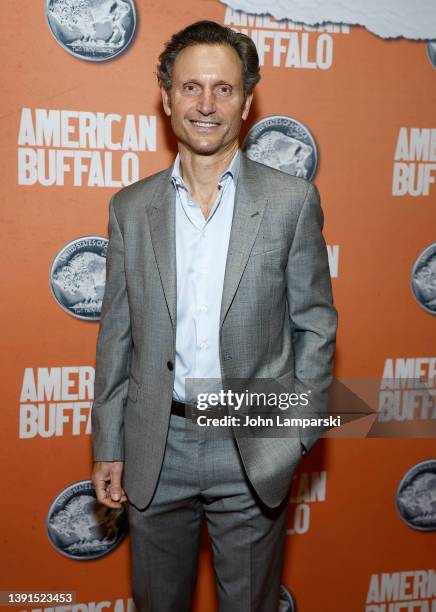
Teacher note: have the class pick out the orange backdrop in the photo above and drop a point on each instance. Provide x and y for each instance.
(345, 529)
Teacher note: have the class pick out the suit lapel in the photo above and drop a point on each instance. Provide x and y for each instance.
(162, 222)
(247, 216)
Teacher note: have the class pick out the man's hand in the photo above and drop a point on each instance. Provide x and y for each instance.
(106, 478)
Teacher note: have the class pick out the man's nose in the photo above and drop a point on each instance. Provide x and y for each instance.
(206, 103)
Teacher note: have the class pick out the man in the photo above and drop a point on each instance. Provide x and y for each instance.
(216, 270)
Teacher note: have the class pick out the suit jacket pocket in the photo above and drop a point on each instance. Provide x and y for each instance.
(267, 250)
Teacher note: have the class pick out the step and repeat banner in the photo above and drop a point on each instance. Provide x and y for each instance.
(81, 118)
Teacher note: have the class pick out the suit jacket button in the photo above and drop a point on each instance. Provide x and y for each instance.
(170, 366)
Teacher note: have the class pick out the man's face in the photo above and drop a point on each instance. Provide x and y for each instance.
(206, 101)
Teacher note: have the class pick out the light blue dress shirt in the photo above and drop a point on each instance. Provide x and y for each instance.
(201, 254)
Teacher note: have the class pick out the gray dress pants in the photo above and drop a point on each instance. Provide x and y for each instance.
(202, 478)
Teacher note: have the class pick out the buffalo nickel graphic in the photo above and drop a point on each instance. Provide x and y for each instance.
(423, 280)
(94, 30)
(283, 143)
(431, 52)
(81, 528)
(286, 602)
(416, 496)
(78, 277)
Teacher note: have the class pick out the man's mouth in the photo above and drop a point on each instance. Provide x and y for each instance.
(204, 124)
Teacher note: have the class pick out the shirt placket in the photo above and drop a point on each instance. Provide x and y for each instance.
(200, 308)
(202, 270)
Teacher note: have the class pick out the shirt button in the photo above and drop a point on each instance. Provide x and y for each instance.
(203, 345)
(203, 308)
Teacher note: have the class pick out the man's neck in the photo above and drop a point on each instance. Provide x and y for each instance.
(201, 173)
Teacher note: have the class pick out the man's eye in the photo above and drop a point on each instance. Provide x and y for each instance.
(190, 88)
(224, 89)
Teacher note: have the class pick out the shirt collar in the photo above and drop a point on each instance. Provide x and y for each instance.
(232, 171)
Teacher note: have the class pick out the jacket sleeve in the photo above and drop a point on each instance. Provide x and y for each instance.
(113, 358)
(312, 314)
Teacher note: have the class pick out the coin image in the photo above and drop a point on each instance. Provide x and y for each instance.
(286, 602)
(78, 277)
(81, 528)
(284, 144)
(93, 30)
(423, 279)
(416, 496)
(431, 52)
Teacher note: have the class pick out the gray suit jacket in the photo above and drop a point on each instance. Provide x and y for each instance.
(277, 321)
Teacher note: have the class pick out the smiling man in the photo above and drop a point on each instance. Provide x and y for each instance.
(216, 270)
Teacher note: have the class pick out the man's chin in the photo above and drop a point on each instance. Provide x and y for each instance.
(205, 148)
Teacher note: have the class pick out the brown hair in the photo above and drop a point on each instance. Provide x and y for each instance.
(210, 33)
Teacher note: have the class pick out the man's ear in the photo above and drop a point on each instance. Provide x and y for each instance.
(166, 101)
(246, 106)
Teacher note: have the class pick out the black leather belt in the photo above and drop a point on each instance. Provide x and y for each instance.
(186, 410)
(181, 409)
